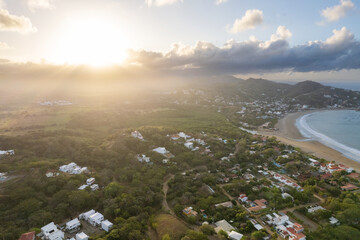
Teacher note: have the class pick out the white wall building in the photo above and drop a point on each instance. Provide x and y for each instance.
(81, 236)
(96, 219)
(51, 232)
(106, 225)
(73, 225)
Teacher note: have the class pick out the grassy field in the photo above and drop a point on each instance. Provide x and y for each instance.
(167, 224)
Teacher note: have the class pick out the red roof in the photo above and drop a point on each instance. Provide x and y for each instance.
(28, 236)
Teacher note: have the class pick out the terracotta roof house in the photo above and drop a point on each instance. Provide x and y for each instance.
(349, 187)
(28, 236)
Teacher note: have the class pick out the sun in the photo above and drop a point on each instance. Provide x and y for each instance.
(91, 40)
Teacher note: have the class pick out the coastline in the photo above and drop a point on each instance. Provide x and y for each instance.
(289, 134)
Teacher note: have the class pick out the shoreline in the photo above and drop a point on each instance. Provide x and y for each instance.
(289, 134)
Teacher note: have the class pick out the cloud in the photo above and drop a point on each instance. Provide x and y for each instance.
(4, 46)
(41, 4)
(339, 51)
(250, 20)
(9, 22)
(334, 13)
(218, 2)
(160, 3)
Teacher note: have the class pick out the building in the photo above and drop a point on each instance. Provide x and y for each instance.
(82, 187)
(258, 205)
(72, 168)
(87, 215)
(50, 174)
(90, 181)
(81, 236)
(143, 158)
(349, 187)
(224, 204)
(315, 208)
(96, 219)
(28, 236)
(73, 225)
(224, 226)
(235, 235)
(163, 151)
(106, 225)
(7, 152)
(189, 212)
(94, 187)
(333, 221)
(137, 134)
(243, 198)
(189, 145)
(51, 232)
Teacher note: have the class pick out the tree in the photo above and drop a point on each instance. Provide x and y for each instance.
(257, 235)
(207, 229)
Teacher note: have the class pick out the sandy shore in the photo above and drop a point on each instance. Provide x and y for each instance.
(289, 134)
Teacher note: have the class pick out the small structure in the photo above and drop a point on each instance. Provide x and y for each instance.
(137, 135)
(28, 236)
(82, 187)
(7, 152)
(50, 174)
(224, 204)
(189, 145)
(72, 168)
(96, 219)
(90, 181)
(163, 151)
(223, 225)
(82, 236)
(189, 212)
(51, 232)
(315, 208)
(235, 235)
(333, 221)
(87, 215)
(73, 225)
(106, 225)
(94, 187)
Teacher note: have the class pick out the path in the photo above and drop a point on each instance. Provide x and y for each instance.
(165, 190)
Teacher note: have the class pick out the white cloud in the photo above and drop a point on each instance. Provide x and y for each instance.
(41, 4)
(160, 3)
(340, 37)
(4, 46)
(2, 4)
(340, 51)
(13, 23)
(218, 2)
(250, 20)
(334, 13)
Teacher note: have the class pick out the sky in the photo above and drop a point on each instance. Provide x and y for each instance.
(274, 39)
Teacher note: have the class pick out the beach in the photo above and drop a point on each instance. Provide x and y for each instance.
(289, 134)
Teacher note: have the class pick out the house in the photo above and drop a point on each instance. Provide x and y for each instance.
(163, 151)
(94, 187)
(256, 225)
(82, 236)
(346, 168)
(72, 168)
(313, 162)
(331, 167)
(137, 134)
(73, 225)
(189, 212)
(189, 145)
(87, 215)
(28, 236)
(258, 205)
(354, 176)
(224, 204)
(6, 152)
(315, 208)
(82, 187)
(286, 195)
(235, 235)
(90, 181)
(106, 225)
(326, 176)
(333, 221)
(50, 174)
(96, 219)
(224, 226)
(143, 158)
(349, 187)
(51, 232)
(243, 198)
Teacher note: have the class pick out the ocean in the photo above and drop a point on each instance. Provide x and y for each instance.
(338, 129)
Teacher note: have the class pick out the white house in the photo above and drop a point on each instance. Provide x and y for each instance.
(51, 232)
(189, 145)
(160, 150)
(90, 181)
(87, 215)
(223, 225)
(7, 152)
(143, 158)
(96, 219)
(73, 225)
(52, 174)
(72, 168)
(82, 187)
(235, 235)
(106, 225)
(82, 236)
(137, 134)
(94, 187)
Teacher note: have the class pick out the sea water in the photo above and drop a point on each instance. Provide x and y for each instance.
(338, 129)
